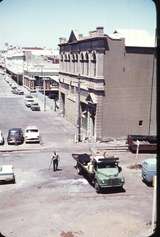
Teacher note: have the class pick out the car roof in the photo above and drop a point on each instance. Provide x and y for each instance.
(150, 161)
(15, 129)
(28, 96)
(6, 168)
(31, 127)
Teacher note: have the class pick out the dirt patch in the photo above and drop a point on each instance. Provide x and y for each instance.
(135, 166)
(69, 234)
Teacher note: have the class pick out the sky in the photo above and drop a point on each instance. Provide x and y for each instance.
(41, 23)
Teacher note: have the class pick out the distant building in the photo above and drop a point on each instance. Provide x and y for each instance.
(117, 83)
(29, 66)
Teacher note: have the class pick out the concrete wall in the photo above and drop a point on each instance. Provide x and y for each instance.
(128, 79)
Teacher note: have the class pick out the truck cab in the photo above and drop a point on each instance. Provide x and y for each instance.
(108, 173)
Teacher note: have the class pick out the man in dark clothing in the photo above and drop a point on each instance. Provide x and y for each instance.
(55, 160)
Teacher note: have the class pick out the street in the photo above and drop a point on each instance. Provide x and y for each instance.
(63, 203)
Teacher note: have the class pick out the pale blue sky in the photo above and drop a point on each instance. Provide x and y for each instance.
(43, 22)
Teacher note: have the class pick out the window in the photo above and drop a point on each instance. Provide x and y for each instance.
(73, 62)
(68, 62)
(82, 63)
(65, 59)
(87, 64)
(94, 63)
(76, 63)
(140, 122)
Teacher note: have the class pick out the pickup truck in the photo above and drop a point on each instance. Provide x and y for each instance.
(103, 172)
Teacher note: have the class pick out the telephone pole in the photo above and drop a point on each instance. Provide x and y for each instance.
(79, 112)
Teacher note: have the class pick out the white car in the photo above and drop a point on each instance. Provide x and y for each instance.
(31, 134)
(29, 101)
(1, 138)
(7, 173)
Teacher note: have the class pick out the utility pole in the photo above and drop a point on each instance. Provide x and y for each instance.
(154, 203)
(44, 92)
(79, 112)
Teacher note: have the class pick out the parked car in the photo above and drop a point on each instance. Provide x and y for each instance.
(13, 86)
(35, 106)
(17, 91)
(28, 97)
(15, 136)
(31, 134)
(7, 173)
(28, 100)
(149, 167)
(1, 138)
(20, 92)
(14, 91)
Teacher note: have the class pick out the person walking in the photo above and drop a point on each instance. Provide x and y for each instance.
(55, 161)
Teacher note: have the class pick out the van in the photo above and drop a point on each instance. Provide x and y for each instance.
(149, 169)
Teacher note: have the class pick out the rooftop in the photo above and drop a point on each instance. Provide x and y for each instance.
(134, 37)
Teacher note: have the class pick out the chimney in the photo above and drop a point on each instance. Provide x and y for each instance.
(80, 36)
(92, 33)
(99, 30)
(62, 40)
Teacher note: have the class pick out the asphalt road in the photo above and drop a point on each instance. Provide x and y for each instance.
(62, 203)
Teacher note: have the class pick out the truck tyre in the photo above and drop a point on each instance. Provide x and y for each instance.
(79, 170)
(97, 187)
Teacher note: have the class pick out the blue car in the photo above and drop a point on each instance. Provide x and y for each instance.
(149, 169)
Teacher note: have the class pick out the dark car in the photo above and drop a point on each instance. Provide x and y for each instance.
(35, 106)
(17, 91)
(15, 136)
(1, 138)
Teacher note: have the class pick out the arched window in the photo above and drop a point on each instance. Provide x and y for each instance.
(82, 63)
(68, 62)
(76, 63)
(94, 63)
(65, 60)
(87, 64)
(73, 62)
(61, 57)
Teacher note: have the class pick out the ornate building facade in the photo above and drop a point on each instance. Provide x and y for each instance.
(106, 87)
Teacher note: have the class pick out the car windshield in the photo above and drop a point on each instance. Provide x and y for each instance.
(30, 100)
(32, 130)
(105, 165)
(13, 132)
(29, 96)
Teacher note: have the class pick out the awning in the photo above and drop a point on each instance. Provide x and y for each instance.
(91, 98)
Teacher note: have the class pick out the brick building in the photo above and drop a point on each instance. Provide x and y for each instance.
(117, 84)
